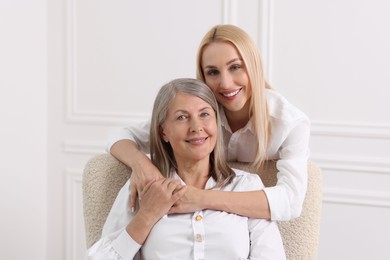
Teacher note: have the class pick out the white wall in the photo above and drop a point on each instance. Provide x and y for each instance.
(23, 131)
(71, 71)
(331, 58)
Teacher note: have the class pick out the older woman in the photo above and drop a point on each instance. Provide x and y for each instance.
(186, 146)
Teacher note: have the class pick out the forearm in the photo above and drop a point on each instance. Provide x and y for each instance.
(127, 152)
(252, 204)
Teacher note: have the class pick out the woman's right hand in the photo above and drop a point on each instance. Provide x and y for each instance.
(158, 197)
(143, 172)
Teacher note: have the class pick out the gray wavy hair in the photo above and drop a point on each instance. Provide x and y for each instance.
(161, 152)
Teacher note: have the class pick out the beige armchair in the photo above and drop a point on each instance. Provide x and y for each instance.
(104, 176)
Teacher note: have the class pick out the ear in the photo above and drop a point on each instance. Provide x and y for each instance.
(162, 135)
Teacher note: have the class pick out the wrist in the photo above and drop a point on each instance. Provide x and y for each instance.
(204, 200)
(139, 228)
(137, 158)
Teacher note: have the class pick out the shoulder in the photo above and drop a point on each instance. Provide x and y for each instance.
(281, 110)
(245, 181)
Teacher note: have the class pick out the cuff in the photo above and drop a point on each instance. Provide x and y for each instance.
(125, 246)
(279, 203)
(122, 134)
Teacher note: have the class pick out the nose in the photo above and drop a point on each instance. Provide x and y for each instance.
(225, 80)
(196, 126)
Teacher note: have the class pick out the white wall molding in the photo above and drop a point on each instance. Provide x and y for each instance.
(352, 164)
(82, 147)
(265, 39)
(73, 113)
(356, 197)
(229, 12)
(72, 234)
(361, 130)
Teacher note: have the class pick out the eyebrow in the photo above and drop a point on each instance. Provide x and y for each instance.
(185, 111)
(227, 63)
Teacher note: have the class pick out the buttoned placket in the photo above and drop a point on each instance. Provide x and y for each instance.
(199, 235)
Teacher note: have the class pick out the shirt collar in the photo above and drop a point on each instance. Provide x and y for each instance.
(209, 184)
(225, 124)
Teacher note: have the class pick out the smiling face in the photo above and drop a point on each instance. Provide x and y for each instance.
(190, 127)
(225, 73)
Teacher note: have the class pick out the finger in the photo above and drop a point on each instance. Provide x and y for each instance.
(173, 210)
(133, 197)
(172, 185)
(176, 207)
(178, 188)
(179, 193)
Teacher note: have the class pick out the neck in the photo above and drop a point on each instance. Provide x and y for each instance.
(194, 174)
(238, 119)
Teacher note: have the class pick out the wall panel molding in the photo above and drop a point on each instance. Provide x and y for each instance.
(82, 147)
(74, 238)
(229, 12)
(361, 130)
(265, 36)
(357, 197)
(352, 164)
(73, 113)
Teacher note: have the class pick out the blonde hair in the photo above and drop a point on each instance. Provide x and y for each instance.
(249, 52)
(161, 152)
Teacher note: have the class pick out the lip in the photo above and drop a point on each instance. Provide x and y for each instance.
(231, 94)
(197, 141)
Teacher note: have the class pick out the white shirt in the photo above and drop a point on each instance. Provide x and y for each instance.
(289, 145)
(206, 234)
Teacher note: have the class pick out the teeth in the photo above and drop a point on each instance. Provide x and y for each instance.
(231, 94)
(198, 141)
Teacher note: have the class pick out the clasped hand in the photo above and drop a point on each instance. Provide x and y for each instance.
(186, 200)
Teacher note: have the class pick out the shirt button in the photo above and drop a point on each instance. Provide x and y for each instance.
(198, 218)
(198, 238)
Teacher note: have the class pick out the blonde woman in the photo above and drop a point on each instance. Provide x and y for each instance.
(258, 124)
(186, 147)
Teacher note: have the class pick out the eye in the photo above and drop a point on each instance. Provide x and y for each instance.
(235, 67)
(181, 117)
(204, 114)
(212, 72)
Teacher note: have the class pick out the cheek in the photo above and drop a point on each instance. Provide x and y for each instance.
(212, 84)
(213, 129)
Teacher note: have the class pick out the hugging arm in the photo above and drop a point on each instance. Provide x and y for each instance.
(252, 204)
(129, 146)
(282, 202)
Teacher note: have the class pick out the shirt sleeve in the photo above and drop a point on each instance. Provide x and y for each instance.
(116, 246)
(115, 242)
(286, 198)
(120, 214)
(140, 134)
(265, 239)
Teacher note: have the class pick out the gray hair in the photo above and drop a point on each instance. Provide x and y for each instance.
(161, 152)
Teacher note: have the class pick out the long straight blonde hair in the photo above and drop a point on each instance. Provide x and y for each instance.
(246, 47)
(161, 152)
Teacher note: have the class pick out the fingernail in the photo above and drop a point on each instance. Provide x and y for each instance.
(132, 209)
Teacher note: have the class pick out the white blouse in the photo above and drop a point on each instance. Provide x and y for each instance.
(206, 234)
(289, 145)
